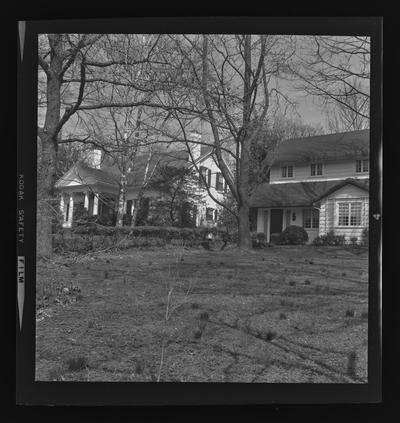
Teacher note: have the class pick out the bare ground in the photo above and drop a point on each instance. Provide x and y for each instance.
(284, 314)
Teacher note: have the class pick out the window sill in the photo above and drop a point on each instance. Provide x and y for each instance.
(350, 227)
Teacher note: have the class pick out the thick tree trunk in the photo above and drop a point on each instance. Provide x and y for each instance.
(47, 175)
(46, 201)
(244, 238)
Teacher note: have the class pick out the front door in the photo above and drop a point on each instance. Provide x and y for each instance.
(276, 221)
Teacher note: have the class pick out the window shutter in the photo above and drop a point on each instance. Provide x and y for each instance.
(209, 178)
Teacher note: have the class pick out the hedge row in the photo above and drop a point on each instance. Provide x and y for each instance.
(92, 237)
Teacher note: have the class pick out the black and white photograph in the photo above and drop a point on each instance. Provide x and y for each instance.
(203, 208)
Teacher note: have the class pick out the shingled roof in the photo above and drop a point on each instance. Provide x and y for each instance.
(298, 194)
(110, 174)
(324, 147)
(86, 175)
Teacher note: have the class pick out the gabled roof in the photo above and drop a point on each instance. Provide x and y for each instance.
(297, 194)
(324, 147)
(85, 175)
(110, 174)
(362, 184)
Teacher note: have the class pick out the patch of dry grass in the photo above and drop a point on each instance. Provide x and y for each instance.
(257, 321)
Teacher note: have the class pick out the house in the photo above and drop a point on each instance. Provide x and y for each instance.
(320, 183)
(95, 185)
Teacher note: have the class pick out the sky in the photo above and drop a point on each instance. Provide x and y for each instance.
(309, 111)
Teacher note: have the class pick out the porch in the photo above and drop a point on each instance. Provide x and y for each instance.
(273, 221)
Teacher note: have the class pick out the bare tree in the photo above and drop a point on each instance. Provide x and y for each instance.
(336, 71)
(350, 114)
(232, 84)
(77, 72)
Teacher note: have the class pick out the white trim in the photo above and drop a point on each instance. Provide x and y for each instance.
(95, 204)
(86, 201)
(314, 179)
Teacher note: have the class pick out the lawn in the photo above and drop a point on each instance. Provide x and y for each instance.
(283, 314)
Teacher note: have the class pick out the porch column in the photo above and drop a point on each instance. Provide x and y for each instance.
(71, 210)
(86, 202)
(132, 207)
(62, 207)
(95, 204)
(125, 207)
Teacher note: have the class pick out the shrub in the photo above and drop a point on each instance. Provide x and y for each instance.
(293, 235)
(274, 238)
(365, 237)
(354, 241)
(329, 239)
(259, 240)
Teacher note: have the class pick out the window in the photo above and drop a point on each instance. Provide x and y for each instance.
(316, 169)
(219, 183)
(209, 214)
(287, 172)
(362, 166)
(203, 175)
(311, 219)
(209, 177)
(349, 214)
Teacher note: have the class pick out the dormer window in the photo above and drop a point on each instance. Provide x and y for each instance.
(362, 166)
(316, 169)
(287, 171)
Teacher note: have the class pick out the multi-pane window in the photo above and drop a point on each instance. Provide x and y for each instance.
(209, 213)
(362, 166)
(287, 171)
(349, 213)
(219, 183)
(205, 174)
(310, 218)
(316, 169)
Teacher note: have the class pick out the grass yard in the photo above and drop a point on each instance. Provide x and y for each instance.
(284, 314)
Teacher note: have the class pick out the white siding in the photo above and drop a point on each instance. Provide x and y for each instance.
(329, 216)
(339, 169)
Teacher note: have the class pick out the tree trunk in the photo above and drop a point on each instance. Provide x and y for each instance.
(47, 175)
(46, 201)
(244, 238)
(136, 209)
(121, 202)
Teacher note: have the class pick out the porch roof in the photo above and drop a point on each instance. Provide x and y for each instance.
(85, 175)
(297, 194)
(109, 173)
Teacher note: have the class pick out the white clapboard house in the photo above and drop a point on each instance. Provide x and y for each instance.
(94, 184)
(320, 183)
